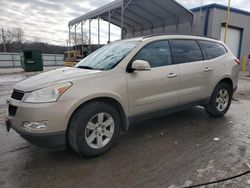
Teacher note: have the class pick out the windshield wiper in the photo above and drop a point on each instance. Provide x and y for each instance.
(85, 67)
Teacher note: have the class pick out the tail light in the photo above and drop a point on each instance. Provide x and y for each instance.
(237, 61)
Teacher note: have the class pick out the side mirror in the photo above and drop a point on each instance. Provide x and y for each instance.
(140, 65)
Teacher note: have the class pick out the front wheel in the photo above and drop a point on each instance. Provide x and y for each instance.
(220, 100)
(94, 128)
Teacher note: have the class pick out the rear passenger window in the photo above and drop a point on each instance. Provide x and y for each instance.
(212, 49)
(185, 51)
(156, 53)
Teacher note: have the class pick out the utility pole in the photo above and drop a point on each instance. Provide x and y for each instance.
(227, 21)
(4, 45)
(201, 9)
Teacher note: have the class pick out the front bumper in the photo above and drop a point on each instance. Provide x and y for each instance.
(55, 114)
(52, 141)
(55, 141)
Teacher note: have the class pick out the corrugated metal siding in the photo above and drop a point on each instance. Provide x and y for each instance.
(10, 60)
(182, 28)
(210, 23)
(216, 18)
(199, 25)
(52, 59)
(236, 20)
(14, 59)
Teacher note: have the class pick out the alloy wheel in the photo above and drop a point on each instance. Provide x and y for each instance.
(222, 100)
(99, 130)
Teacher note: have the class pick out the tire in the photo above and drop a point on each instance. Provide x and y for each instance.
(220, 100)
(91, 124)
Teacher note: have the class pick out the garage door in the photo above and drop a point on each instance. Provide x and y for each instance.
(233, 39)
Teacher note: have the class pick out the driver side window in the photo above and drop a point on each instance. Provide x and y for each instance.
(157, 54)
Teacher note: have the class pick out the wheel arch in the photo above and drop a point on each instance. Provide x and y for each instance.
(210, 106)
(109, 100)
(228, 81)
(225, 79)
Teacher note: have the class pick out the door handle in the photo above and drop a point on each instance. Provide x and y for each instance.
(207, 69)
(172, 75)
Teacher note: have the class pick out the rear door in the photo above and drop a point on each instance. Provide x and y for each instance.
(194, 71)
(157, 89)
(216, 58)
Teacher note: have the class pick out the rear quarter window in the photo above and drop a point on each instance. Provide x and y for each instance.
(212, 50)
(185, 51)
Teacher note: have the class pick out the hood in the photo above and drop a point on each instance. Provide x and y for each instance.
(53, 77)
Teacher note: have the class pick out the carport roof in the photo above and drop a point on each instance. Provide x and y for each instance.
(139, 15)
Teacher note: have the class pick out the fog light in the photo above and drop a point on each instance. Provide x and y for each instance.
(35, 125)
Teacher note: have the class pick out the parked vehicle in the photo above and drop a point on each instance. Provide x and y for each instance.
(121, 83)
(71, 58)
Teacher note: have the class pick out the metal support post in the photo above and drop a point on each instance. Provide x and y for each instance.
(109, 27)
(75, 39)
(98, 31)
(122, 17)
(90, 36)
(82, 38)
(69, 37)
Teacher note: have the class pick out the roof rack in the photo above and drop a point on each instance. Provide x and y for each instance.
(187, 34)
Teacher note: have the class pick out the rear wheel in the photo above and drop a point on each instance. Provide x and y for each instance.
(220, 100)
(94, 128)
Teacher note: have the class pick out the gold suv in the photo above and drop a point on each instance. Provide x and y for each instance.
(123, 82)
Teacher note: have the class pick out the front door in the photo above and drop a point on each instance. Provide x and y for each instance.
(157, 89)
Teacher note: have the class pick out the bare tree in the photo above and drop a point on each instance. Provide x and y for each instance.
(18, 35)
(12, 40)
(2, 38)
(78, 39)
(10, 36)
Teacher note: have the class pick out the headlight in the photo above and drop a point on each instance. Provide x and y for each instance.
(47, 94)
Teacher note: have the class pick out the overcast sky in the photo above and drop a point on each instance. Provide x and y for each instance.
(47, 20)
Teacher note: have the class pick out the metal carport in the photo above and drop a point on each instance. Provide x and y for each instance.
(136, 16)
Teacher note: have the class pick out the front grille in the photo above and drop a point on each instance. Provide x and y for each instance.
(17, 95)
(12, 110)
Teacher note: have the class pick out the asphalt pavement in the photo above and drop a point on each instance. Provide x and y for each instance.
(178, 150)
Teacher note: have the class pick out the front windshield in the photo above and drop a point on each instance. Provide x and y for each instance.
(108, 56)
